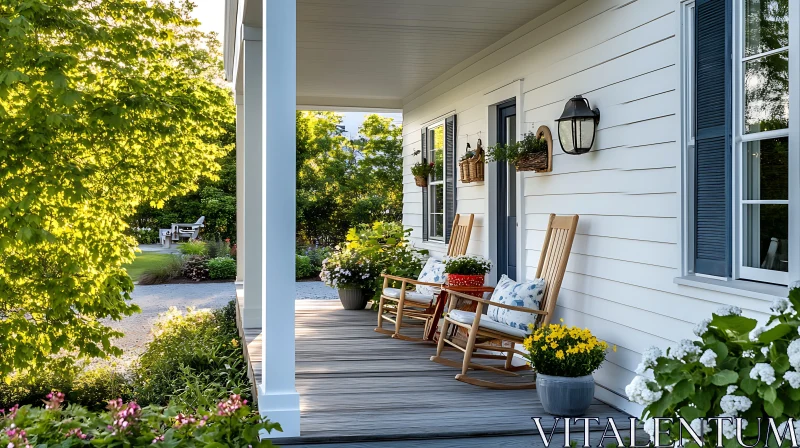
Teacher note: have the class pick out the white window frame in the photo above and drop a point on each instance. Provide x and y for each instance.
(740, 270)
(442, 183)
(687, 11)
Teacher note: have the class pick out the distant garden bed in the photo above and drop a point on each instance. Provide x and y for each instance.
(194, 362)
(198, 261)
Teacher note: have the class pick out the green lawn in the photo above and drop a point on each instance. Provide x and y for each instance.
(146, 261)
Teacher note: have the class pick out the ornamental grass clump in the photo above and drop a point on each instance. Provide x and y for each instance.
(736, 370)
(558, 350)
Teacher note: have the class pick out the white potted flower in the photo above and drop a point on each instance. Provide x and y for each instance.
(352, 275)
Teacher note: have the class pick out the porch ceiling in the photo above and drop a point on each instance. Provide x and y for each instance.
(375, 53)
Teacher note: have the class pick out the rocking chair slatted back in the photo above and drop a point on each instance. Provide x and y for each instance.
(553, 260)
(459, 237)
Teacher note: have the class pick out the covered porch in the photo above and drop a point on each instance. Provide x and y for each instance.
(361, 388)
(320, 371)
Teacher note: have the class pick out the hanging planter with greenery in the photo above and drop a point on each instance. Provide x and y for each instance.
(421, 171)
(532, 153)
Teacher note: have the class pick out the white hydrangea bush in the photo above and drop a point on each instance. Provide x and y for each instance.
(737, 369)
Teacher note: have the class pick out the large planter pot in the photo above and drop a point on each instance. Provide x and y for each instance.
(353, 298)
(563, 396)
(466, 280)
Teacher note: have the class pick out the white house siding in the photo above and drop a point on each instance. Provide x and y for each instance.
(623, 55)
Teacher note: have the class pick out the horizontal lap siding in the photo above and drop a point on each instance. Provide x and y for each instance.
(623, 56)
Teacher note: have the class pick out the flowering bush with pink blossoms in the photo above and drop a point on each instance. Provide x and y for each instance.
(231, 423)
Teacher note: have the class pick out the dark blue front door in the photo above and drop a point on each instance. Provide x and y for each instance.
(506, 195)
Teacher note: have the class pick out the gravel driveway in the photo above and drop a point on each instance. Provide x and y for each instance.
(155, 299)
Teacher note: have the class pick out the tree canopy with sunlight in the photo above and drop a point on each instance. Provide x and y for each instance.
(104, 105)
(342, 183)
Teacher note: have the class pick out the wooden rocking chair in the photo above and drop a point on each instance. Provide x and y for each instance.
(552, 265)
(402, 303)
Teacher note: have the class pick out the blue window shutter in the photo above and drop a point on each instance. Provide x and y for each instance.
(423, 159)
(450, 174)
(713, 148)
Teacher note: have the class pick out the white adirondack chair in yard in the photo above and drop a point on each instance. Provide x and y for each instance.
(189, 231)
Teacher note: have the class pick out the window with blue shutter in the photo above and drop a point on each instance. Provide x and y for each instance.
(439, 197)
(713, 149)
(450, 174)
(424, 156)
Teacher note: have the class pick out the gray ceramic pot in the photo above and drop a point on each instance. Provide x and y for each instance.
(353, 298)
(565, 397)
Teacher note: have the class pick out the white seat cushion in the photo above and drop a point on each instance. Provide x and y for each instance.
(413, 296)
(432, 272)
(467, 317)
(526, 295)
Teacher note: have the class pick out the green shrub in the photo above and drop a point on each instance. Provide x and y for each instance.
(302, 267)
(93, 387)
(386, 246)
(90, 387)
(218, 248)
(193, 357)
(738, 368)
(163, 274)
(316, 255)
(193, 247)
(195, 268)
(222, 268)
(29, 387)
(230, 422)
(145, 235)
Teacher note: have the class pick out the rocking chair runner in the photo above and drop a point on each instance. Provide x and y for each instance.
(552, 265)
(401, 303)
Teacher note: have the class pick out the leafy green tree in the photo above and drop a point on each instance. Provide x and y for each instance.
(103, 106)
(342, 183)
(215, 198)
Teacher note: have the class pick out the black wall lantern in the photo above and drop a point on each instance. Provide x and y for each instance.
(577, 126)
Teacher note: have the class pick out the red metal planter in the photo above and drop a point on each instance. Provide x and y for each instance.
(466, 280)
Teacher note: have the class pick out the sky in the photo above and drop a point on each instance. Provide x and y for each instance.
(211, 14)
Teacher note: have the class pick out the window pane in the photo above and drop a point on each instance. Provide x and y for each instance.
(766, 237)
(766, 26)
(766, 167)
(766, 93)
(437, 153)
(437, 226)
(437, 198)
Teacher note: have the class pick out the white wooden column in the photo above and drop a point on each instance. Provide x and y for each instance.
(253, 180)
(278, 399)
(240, 237)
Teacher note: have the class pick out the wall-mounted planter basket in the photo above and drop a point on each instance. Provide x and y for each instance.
(476, 168)
(421, 181)
(463, 170)
(472, 168)
(540, 162)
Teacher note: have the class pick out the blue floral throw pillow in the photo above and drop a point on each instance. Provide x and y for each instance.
(432, 272)
(527, 294)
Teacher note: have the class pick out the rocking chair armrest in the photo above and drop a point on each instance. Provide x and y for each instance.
(467, 289)
(461, 295)
(411, 281)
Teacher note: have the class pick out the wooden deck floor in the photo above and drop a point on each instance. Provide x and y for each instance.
(362, 389)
